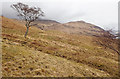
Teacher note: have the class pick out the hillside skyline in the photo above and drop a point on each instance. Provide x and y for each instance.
(98, 13)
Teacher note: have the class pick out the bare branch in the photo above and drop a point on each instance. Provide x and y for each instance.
(29, 14)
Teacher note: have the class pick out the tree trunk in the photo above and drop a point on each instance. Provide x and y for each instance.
(26, 32)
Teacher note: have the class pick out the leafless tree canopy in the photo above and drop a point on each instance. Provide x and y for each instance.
(29, 14)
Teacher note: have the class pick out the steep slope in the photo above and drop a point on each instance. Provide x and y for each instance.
(82, 27)
(77, 27)
(53, 53)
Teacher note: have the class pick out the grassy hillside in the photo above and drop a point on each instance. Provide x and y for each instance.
(75, 27)
(53, 53)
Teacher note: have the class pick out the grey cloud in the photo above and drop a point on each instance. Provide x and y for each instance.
(98, 12)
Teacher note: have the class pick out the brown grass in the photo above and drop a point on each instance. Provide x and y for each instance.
(53, 53)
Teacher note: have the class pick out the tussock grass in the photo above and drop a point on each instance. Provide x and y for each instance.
(53, 53)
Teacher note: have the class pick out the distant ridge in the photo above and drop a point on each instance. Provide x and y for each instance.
(47, 21)
(74, 27)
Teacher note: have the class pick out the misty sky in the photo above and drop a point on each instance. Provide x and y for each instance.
(103, 13)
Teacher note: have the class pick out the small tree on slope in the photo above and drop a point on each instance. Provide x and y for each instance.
(29, 14)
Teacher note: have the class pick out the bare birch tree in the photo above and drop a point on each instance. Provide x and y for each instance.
(29, 14)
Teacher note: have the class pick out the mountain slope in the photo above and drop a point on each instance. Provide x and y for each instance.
(53, 53)
(77, 27)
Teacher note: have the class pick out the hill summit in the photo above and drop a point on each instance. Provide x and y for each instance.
(76, 27)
